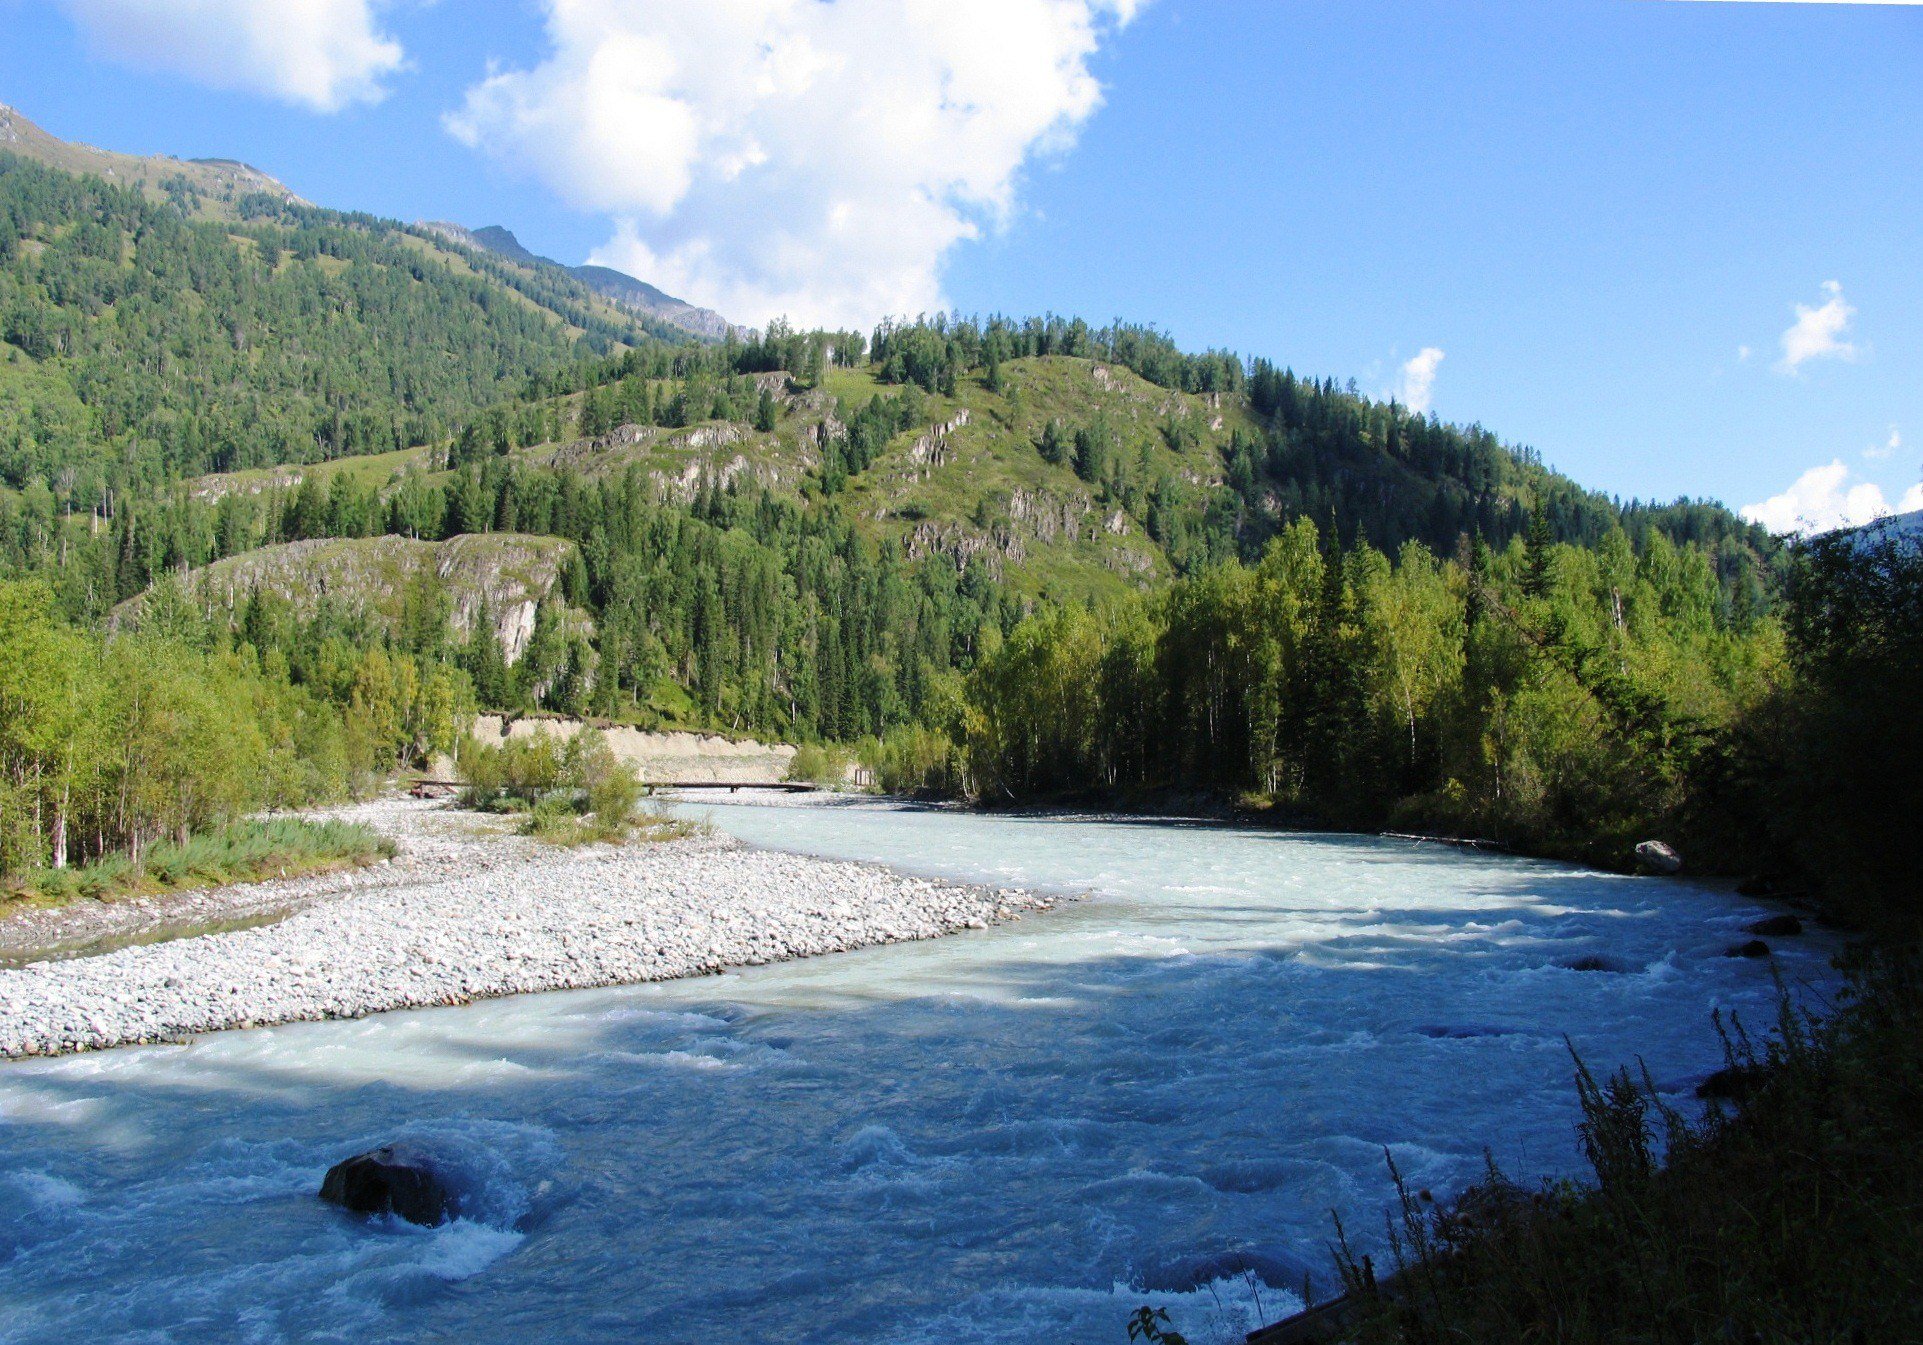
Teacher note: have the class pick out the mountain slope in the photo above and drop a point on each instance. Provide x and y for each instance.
(1904, 528)
(201, 188)
(143, 338)
(617, 286)
(1077, 461)
(1070, 476)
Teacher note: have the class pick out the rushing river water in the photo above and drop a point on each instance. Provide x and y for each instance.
(1015, 1135)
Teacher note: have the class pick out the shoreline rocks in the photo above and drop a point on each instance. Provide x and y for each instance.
(488, 916)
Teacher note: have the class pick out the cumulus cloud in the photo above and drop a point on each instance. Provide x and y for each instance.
(809, 158)
(1888, 448)
(321, 54)
(1418, 386)
(1824, 498)
(1818, 333)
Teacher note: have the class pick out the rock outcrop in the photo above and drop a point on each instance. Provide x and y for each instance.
(504, 575)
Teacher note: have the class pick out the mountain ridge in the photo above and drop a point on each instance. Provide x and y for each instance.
(618, 286)
(213, 188)
(209, 188)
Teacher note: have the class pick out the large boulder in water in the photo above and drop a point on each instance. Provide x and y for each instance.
(392, 1179)
(1658, 858)
(1777, 926)
(1732, 1083)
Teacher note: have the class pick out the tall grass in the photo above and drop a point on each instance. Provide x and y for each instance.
(1789, 1212)
(245, 851)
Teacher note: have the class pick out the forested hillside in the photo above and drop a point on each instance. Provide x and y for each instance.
(1247, 579)
(612, 285)
(138, 345)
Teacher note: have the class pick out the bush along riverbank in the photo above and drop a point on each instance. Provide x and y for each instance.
(566, 791)
(1787, 1211)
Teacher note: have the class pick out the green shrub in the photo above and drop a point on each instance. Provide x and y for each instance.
(104, 877)
(820, 763)
(912, 759)
(613, 798)
(553, 819)
(514, 774)
(522, 774)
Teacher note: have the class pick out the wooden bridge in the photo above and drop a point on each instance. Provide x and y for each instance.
(732, 786)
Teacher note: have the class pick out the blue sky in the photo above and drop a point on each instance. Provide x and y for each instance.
(1674, 245)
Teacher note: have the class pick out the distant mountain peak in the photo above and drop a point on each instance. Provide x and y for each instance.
(218, 183)
(617, 286)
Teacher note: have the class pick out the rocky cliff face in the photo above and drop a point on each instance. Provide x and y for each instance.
(505, 575)
(679, 462)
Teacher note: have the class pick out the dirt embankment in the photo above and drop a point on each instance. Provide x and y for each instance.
(699, 758)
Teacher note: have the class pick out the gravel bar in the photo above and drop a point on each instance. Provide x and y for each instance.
(462, 915)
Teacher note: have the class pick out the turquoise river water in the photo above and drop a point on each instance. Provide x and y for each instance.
(1156, 1094)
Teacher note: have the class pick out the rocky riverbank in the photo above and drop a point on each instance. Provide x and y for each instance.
(466, 913)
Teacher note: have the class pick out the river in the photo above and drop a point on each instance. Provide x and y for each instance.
(1155, 1094)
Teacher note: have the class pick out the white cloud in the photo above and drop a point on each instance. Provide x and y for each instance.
(1824, 498)
(1818, 333)
(321, 54)
(1887, 449)
(1742, 354)
(1417, 390)
(813, 158)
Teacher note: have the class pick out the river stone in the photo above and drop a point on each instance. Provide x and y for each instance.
(1594, 962)
(1731, 1083)
(1754, 948)
(392, 1179)
(1658, 858)
(1777, 926)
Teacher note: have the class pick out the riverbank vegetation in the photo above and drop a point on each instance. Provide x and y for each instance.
(1551, 697)
(1788, 1212)
(566, 791)
(244, 851)
(131, 761)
